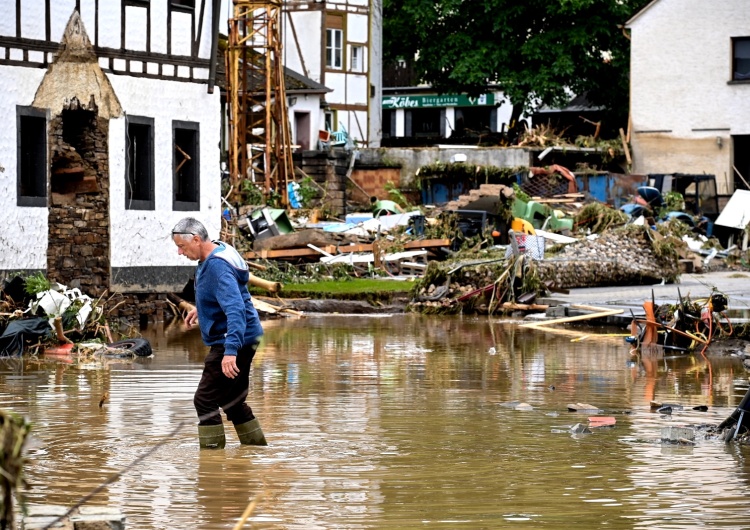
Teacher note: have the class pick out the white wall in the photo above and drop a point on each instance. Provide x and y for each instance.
(681, 96)
(307, 25)
(681, 55)
(24, 230)
(357, 28)
(142, 237)
(311, 104)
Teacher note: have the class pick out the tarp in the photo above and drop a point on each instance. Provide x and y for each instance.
(18, 331)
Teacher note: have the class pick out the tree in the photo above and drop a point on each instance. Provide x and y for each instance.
(536, 51)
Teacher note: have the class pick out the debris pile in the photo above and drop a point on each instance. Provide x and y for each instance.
(42, 317)
(630, 255)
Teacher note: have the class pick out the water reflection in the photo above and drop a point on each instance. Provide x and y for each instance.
(391, 422)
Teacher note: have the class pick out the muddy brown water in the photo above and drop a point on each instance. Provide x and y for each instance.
(391, 422)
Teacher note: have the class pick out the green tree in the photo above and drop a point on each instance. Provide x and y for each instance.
(536, 51)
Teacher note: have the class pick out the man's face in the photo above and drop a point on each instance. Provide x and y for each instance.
(190, 248)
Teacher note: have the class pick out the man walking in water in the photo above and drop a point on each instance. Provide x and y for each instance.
(229, 326)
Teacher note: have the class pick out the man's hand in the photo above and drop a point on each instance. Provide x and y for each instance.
(229, 366)
(191, 319)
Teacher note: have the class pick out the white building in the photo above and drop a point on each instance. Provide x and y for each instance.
(337, 44)
(690, 89)
(111, 136)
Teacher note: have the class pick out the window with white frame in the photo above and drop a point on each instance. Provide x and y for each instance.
(335, 42)
(357, 63)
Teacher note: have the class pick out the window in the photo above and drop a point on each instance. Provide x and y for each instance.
(741, 58)
(334, 41)
(185, 166)
(139, 164)
(328, 119)
(32, 157)
(357, 63)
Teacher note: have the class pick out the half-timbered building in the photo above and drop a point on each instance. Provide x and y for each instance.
(112, 125)
(338, 44)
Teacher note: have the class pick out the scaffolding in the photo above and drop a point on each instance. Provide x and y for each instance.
(260, 144)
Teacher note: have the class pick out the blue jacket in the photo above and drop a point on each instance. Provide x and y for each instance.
(226, 314)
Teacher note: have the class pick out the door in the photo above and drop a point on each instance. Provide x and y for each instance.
(302, 129)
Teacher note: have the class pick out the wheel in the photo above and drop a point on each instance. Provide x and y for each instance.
(139, 347)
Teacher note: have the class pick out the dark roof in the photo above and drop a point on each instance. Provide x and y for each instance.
(294, 82)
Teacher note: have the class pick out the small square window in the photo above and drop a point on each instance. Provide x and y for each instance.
(139, 164)
(186, 166)
(32, 157)
(741, 58)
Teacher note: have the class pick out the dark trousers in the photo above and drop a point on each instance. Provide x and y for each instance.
(217, 391)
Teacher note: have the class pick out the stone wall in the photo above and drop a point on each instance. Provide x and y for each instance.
(79, 243)
(411, 159)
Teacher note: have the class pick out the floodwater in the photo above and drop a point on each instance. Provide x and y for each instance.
(391, 422)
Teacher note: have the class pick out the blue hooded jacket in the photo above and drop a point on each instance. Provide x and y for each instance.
(226, 314)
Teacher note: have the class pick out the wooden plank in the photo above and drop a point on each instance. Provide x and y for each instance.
(289, 253)
(601, 312)
(307, 252)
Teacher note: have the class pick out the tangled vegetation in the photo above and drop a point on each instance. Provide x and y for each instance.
(597, 217)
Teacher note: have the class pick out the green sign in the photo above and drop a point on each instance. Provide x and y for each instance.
(433, 100)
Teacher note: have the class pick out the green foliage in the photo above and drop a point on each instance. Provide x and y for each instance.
(252, 193)
(396, 196)
(674, 201)
(36, 283)
(520, 194)
(533, 50)
(307, 191)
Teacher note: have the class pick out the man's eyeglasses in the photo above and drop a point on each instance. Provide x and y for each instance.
(183, 234)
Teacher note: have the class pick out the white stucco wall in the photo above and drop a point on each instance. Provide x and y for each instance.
(136, 23)
(8, 20)
(24, 234)
(307, 25)
(311, 104)
(142, 238)
(681, 65)
(357, 28)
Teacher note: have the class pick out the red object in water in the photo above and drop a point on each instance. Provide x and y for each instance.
(601, 421)
(63, 349)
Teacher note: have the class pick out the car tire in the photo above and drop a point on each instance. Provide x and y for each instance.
(139, 347)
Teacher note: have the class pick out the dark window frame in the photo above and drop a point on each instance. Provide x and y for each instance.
(147, 169)
(26, 116)
(194, 166)
(746, 76)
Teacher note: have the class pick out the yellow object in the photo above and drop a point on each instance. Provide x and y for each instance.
(519, 225)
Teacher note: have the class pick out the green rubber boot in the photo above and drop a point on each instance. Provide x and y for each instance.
(211, 436)
(250, 433)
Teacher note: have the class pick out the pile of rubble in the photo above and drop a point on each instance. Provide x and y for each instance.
(630, 255)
